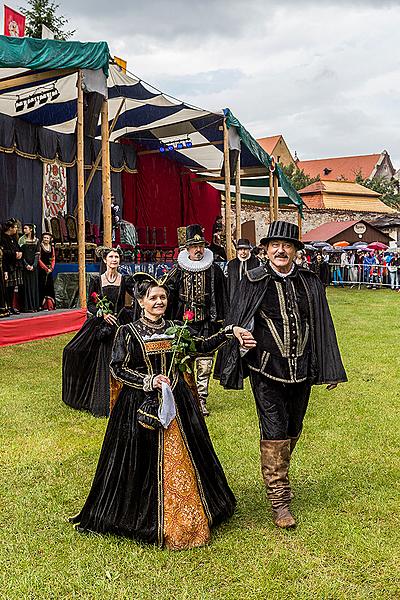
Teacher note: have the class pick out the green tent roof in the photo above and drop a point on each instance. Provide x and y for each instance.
(36, 54)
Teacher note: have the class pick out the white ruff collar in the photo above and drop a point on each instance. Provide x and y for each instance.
(195, 266)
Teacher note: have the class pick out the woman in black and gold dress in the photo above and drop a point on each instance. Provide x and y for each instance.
(164, 486)
(30, 257)
(86, 358)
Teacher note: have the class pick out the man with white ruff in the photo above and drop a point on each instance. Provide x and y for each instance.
(199, 285)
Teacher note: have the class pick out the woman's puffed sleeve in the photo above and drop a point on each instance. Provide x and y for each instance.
(120, 359)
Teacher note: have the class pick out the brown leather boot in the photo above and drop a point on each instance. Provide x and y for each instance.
(275, 460)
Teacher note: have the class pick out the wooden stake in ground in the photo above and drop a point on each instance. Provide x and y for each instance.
(228, 215)
(80, 164)
(238, 201)
(105, 175)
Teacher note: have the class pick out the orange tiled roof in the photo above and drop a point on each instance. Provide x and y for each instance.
(341, 167)
(343, 195)
(269, 143)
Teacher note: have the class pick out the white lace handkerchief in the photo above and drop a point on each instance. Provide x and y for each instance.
(167, 408)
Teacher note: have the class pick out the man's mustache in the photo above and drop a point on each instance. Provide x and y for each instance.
(281, 256)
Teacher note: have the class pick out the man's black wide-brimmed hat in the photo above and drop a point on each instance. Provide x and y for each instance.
(283, 230)
(194, 235)
(243, 243)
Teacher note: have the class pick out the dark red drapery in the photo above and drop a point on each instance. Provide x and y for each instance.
(164, 193)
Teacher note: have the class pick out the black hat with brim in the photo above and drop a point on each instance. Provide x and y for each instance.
(194, 235)
(283, 230)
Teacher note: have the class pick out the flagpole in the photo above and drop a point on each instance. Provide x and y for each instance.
(228, 215)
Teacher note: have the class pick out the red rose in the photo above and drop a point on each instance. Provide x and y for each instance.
(188, 315)
(95, 296)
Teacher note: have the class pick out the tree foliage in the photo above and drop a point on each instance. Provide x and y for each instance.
(43, 12)
(298, 178)
(389, 188)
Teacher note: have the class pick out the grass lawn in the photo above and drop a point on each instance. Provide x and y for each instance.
(345, 475)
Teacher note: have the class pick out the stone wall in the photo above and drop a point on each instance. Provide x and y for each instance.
(312, 218)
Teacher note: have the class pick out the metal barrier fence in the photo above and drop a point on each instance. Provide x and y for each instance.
(371, 276)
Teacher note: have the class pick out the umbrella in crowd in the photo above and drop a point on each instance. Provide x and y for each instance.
(341, 244)
(322, 245)
(377, 246)
(360, 244)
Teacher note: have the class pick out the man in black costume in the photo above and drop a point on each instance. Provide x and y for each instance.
(286, 309)
(198, 285)
(244, 261)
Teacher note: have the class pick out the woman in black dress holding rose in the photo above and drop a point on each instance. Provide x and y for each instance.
(86, 358)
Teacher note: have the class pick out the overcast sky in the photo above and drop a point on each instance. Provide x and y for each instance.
(325, 74)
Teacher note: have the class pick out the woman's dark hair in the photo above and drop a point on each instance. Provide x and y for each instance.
(102, 252)
(9, 223)
(142, 288)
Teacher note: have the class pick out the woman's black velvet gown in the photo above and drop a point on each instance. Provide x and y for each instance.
(86, 358)
(30, 256)
(130, 495)
(46, 282)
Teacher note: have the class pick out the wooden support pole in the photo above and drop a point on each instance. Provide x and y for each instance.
(105, 175)
(238, 202)
(80, 164)
(276, 196)
(98, 158)
(300, 224)
(228, 216)
(271, 197)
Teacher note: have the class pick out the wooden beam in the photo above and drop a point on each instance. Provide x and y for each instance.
(98, 158)
(105, 175)
(80, 163)
(271, 197)
(276, 196)
(238, 201)
(300, 224)
(228, 216)
(33, 78)
(217, 143)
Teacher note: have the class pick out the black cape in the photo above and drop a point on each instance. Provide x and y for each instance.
(326, 363)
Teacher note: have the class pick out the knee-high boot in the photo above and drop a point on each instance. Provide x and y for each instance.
(275, 460)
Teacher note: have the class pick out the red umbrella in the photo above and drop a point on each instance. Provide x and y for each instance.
(377, 246)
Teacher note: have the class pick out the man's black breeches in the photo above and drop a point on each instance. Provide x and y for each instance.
(281, 407)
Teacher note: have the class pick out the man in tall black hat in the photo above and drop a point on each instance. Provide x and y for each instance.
(244, 261)
(198, 285)
(286, 309)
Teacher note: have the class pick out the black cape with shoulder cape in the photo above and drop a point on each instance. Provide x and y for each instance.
(326, 362)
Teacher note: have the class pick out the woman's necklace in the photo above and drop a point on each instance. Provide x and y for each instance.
(159, 324)
(111, 281)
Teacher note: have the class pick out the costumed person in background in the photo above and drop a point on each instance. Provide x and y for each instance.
(321, 269)
(244, 261)
(29, 244)
(198, 285)
(86, 358)
(301, 259)
(158, 479)
(286, 308)
(11, 262)
(47, 261)
(4, 312)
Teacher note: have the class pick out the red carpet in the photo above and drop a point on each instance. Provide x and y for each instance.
(24, 328)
